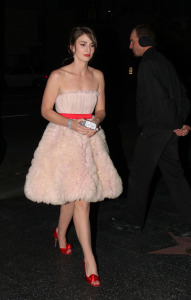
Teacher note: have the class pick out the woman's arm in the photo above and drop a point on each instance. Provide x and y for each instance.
(100, 106)
(49, 97)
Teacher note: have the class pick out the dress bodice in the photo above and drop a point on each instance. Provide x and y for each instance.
(76, 102)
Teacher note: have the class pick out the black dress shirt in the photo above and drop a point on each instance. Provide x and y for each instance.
(162, 101)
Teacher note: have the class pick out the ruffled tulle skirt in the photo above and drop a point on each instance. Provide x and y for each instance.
(68, 166)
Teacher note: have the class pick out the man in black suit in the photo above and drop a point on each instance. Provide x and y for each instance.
(162, 109)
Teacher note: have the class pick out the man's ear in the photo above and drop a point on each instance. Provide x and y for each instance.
(144, 41)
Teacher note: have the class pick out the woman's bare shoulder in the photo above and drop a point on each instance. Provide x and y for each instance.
(97, 73)
(58, 72)
(58, 75)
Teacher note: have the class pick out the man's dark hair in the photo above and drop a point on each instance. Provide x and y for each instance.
(145, 30)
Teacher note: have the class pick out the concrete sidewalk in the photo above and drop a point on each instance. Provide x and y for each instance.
(129, 266)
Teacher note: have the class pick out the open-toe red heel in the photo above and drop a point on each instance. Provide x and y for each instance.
(67, 250)
(92, 278)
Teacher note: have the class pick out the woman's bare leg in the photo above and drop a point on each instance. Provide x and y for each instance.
(66, 213)
(82, 226)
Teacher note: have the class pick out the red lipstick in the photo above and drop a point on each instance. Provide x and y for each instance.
(87, 55)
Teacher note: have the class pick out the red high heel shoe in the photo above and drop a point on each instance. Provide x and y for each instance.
(67, 250)
(92, 278)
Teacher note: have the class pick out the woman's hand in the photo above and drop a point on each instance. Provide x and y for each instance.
(76, 126)
(92, 132)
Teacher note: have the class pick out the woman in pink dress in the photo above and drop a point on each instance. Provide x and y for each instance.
(71, 166)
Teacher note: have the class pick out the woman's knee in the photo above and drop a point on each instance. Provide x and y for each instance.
(82, 205)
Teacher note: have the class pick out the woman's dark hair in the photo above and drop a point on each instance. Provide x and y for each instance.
(77, 32)
(145, 30)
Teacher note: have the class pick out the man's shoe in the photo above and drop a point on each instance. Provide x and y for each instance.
(182, 230)
(122, 225)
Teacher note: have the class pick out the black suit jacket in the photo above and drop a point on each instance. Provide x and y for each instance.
(162, 101)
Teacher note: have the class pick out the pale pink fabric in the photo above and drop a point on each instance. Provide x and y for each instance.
(68, 166)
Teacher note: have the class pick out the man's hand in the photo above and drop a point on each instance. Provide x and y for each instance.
(183, 131)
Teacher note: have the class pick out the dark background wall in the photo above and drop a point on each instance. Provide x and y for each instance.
(36, 32)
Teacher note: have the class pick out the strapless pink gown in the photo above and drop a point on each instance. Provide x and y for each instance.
(68, 166)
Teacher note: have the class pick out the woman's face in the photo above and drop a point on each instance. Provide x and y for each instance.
(84, 48)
